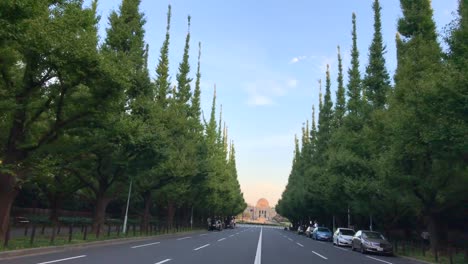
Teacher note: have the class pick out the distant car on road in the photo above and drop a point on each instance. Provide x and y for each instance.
(343, 236)
(370, 241)
(322, 233)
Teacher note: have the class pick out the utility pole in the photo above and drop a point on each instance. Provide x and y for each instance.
(191, 219)
(333, 223)
(349, 218)
(126, 211)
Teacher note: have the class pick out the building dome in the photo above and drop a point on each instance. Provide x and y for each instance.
(263, 203)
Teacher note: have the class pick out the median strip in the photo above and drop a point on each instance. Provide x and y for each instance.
(379, 260)
(64, 259)
(204, 246)
(145, 245)
(319, 255)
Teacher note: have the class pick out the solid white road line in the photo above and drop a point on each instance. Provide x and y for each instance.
(198, 248)
(59, 260)
(182, 238)
(164, 261)
(380, 260)
(258, 255)
(221, 239)
(145, 245)
(341, 248)
(300, 244)
(319, 255)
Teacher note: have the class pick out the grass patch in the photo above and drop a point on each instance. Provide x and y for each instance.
(24, 242)
(443, 258)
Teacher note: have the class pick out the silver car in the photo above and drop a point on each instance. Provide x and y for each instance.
(370, 241)
(343, 236)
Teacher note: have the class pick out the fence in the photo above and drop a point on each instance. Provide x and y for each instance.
(45, 234)
(450, 253)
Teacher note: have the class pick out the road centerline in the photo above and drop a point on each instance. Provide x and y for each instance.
(198, 248)
(145, 245)
(319, 255)
(64, 259)
(258, 255)
(379, 260)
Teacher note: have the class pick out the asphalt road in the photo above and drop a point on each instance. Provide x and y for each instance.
(250, 245)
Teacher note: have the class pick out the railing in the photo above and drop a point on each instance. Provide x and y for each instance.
(43, 234)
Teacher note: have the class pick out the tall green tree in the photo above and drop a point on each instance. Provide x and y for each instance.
(354, 76)
(340, 106)
(163, 81)
(425, 154)
(376, 83)
(49, 64)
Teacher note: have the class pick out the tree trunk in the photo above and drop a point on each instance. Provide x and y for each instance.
(8, 193)
(6, 201)
(170, 213)
(100, 211)
(437, 231)
(56, 201)
(146, 213)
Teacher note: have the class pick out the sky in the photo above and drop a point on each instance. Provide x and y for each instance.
(266, 57)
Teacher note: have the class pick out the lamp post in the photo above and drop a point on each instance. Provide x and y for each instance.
(126, 210)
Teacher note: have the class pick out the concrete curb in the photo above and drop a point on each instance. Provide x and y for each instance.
(11, 254)
(415, 259)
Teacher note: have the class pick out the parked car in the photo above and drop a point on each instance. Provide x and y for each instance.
(21, 220)
(370, 241)
(322, 233)
(343, 236)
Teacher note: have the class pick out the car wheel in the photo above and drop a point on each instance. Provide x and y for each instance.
(352, 247)
(362, 250)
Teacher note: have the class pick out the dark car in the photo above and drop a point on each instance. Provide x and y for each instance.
(322, 233)
(370, 241)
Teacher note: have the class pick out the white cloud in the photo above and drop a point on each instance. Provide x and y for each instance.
(292, 83)
(263, 92)
(259, 100)
(297, 59)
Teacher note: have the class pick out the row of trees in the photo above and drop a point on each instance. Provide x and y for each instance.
(81, 119)
(393, 152)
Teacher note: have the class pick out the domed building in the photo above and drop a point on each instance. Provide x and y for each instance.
(261, 212)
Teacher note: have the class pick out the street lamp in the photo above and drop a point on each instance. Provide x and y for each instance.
(126, 210)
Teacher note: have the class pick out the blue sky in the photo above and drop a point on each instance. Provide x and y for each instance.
(265, 58)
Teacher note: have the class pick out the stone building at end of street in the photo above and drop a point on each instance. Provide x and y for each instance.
(262, 212)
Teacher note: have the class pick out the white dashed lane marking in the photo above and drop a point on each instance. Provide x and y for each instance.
(198, 248)
(60, 260)
(145, 245)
